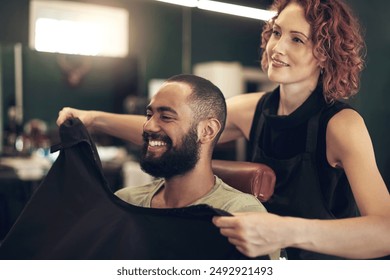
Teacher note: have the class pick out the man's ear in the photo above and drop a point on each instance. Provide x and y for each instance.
(208, 130)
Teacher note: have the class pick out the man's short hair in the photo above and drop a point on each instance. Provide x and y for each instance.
(206, 100)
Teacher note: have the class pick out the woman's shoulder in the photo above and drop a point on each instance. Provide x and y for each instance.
(339, 113)
(246, 100)
(240, 112)
(345, 131)
(345, 120)
(333, 108)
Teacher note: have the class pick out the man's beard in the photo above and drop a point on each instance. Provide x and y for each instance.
(174, 161)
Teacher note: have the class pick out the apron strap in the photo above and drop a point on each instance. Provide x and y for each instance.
(312, 132)
(259, 125)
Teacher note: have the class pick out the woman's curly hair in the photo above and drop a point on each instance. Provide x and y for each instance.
(337, 40)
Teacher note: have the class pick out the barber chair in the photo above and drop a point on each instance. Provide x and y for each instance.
(249, 177)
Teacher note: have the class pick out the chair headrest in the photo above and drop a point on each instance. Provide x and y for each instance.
(249, 177)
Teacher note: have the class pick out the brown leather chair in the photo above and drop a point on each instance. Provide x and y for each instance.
(249, 177)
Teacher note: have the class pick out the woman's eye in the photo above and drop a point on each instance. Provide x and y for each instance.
(297, 40)
(276, 33)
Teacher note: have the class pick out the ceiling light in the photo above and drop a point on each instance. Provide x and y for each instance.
(78, 28)
(236, 10)
(225, 8)
(187, 3)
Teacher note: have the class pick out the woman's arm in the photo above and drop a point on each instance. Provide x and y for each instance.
(348, 146)
(126, 127)
(240, 113)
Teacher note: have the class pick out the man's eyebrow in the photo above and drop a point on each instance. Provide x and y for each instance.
(294, 31)
(162, 109)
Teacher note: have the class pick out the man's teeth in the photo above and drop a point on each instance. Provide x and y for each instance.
(157, 143)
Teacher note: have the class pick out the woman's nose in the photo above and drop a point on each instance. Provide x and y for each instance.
(280, 46)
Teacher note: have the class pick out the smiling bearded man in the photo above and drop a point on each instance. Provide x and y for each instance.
(184, 120)
(175, 161)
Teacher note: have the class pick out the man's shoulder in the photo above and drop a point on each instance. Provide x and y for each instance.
(230, 199)
(136, 194)
(224, 187)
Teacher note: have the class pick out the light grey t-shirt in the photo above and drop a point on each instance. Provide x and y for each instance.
(221, 196)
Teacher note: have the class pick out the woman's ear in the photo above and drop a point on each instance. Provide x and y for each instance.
(208, 130)
(321, 57)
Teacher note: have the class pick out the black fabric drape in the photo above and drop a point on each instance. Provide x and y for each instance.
(75, 215)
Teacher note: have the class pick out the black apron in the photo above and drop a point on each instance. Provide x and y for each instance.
(75, 215)
(298, 191)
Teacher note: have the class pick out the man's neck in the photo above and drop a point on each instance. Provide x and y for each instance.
(184, 190)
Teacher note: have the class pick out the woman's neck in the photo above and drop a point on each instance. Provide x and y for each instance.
(292, 97)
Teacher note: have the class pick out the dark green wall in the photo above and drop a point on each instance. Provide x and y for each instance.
(46, 91)
(156, 44)
(374, 98)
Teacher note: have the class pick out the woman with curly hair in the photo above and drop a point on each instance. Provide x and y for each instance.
(330, 200)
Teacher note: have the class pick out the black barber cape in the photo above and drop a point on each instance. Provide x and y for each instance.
(74, 215)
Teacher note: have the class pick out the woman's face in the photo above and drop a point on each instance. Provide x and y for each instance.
(290, 49)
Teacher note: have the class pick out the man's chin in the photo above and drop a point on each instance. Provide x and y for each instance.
(152, 169)
(152, 153)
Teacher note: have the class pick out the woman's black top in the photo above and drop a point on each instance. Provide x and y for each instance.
(294, 146)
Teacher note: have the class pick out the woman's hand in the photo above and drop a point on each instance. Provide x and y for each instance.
(86, 117)
(253, 234)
